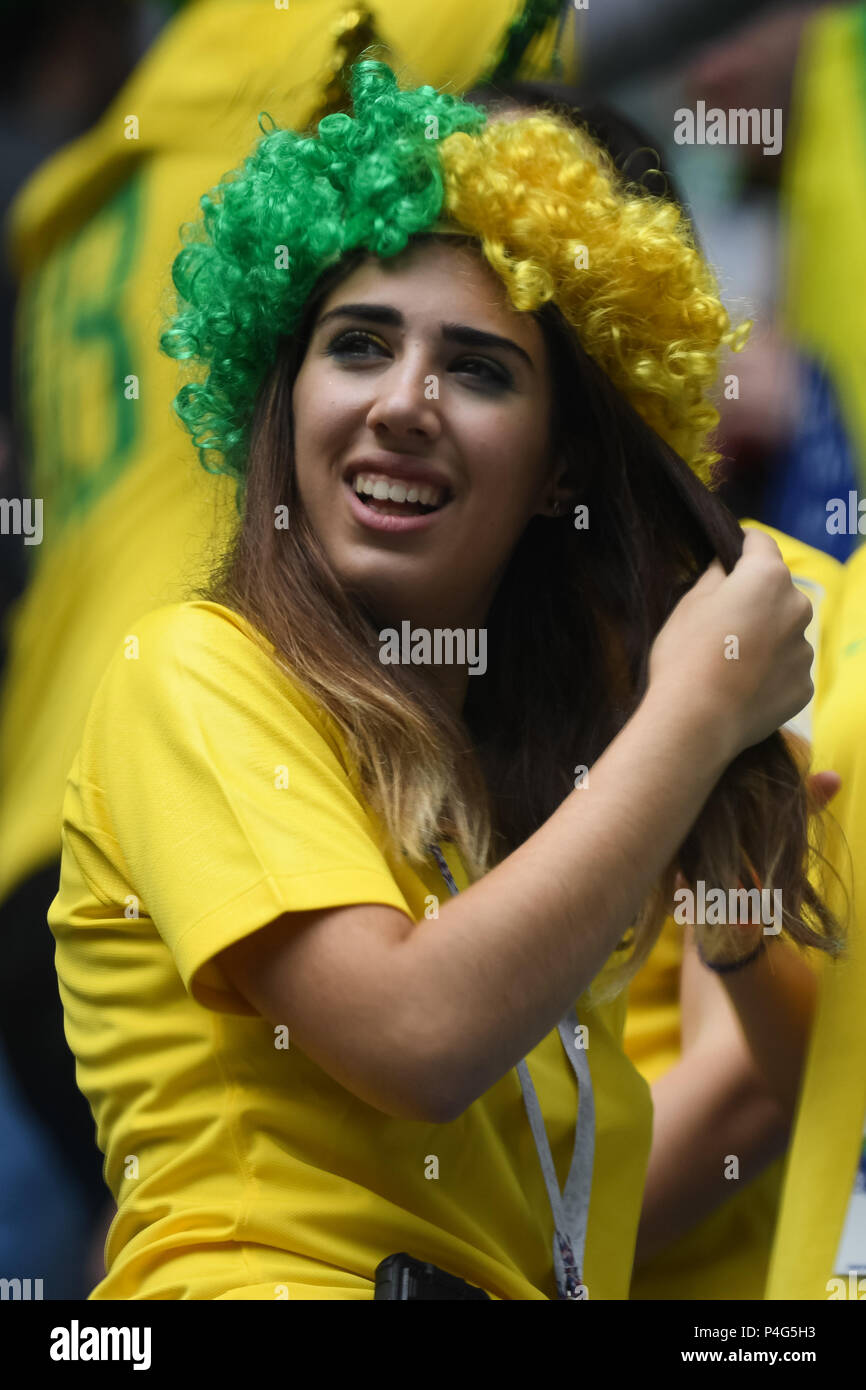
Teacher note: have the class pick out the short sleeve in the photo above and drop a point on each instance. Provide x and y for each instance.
(225, 791)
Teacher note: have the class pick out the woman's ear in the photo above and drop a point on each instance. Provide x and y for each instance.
(560, 495)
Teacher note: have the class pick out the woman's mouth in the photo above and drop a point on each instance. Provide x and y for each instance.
(394, 505)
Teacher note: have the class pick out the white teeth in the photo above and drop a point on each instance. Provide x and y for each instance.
(374, 485)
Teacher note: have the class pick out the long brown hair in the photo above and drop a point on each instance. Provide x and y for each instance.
(569, 636)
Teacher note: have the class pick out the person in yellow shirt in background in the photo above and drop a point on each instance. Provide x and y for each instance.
(129, 519)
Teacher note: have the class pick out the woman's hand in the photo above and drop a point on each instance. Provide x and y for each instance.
(735, 645)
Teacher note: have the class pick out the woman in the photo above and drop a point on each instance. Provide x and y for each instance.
(298, 1049)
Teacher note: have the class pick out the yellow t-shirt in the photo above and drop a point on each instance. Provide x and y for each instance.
(210, 795)
(727, 1255)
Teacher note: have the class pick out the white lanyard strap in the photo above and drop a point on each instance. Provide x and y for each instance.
(571, 1206)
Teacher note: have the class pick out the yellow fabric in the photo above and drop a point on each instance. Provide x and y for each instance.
(652, 1028)
(829, 1124)
(824, 207)
(130, 519)
(210, 795)
(727, 1255)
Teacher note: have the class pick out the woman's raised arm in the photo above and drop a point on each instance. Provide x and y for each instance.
(505, 960)
(448, 1006)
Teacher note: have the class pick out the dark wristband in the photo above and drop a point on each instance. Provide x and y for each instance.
(734, 964)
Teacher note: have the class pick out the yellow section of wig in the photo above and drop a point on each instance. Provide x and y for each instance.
(557, 221)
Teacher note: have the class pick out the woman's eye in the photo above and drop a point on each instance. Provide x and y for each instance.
(357, 344)
(352, 344)
(490, 372)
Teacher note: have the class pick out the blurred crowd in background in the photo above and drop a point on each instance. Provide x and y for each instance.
(785, 232)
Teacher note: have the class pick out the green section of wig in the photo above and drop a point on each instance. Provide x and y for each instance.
(270, 228)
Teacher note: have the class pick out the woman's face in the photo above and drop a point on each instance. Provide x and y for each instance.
(419, 369)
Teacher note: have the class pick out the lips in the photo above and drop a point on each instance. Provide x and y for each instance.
(381, 521)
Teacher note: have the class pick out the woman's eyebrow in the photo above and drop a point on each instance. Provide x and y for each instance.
(477, 337)
(452, 332)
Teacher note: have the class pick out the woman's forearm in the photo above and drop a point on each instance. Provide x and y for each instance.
(774, 997)
(487, 980)
(717, 1102)
(708, 1109)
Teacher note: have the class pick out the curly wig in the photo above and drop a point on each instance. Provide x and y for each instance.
(552, 217)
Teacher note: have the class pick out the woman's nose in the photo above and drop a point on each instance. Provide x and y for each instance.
(406, 402)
